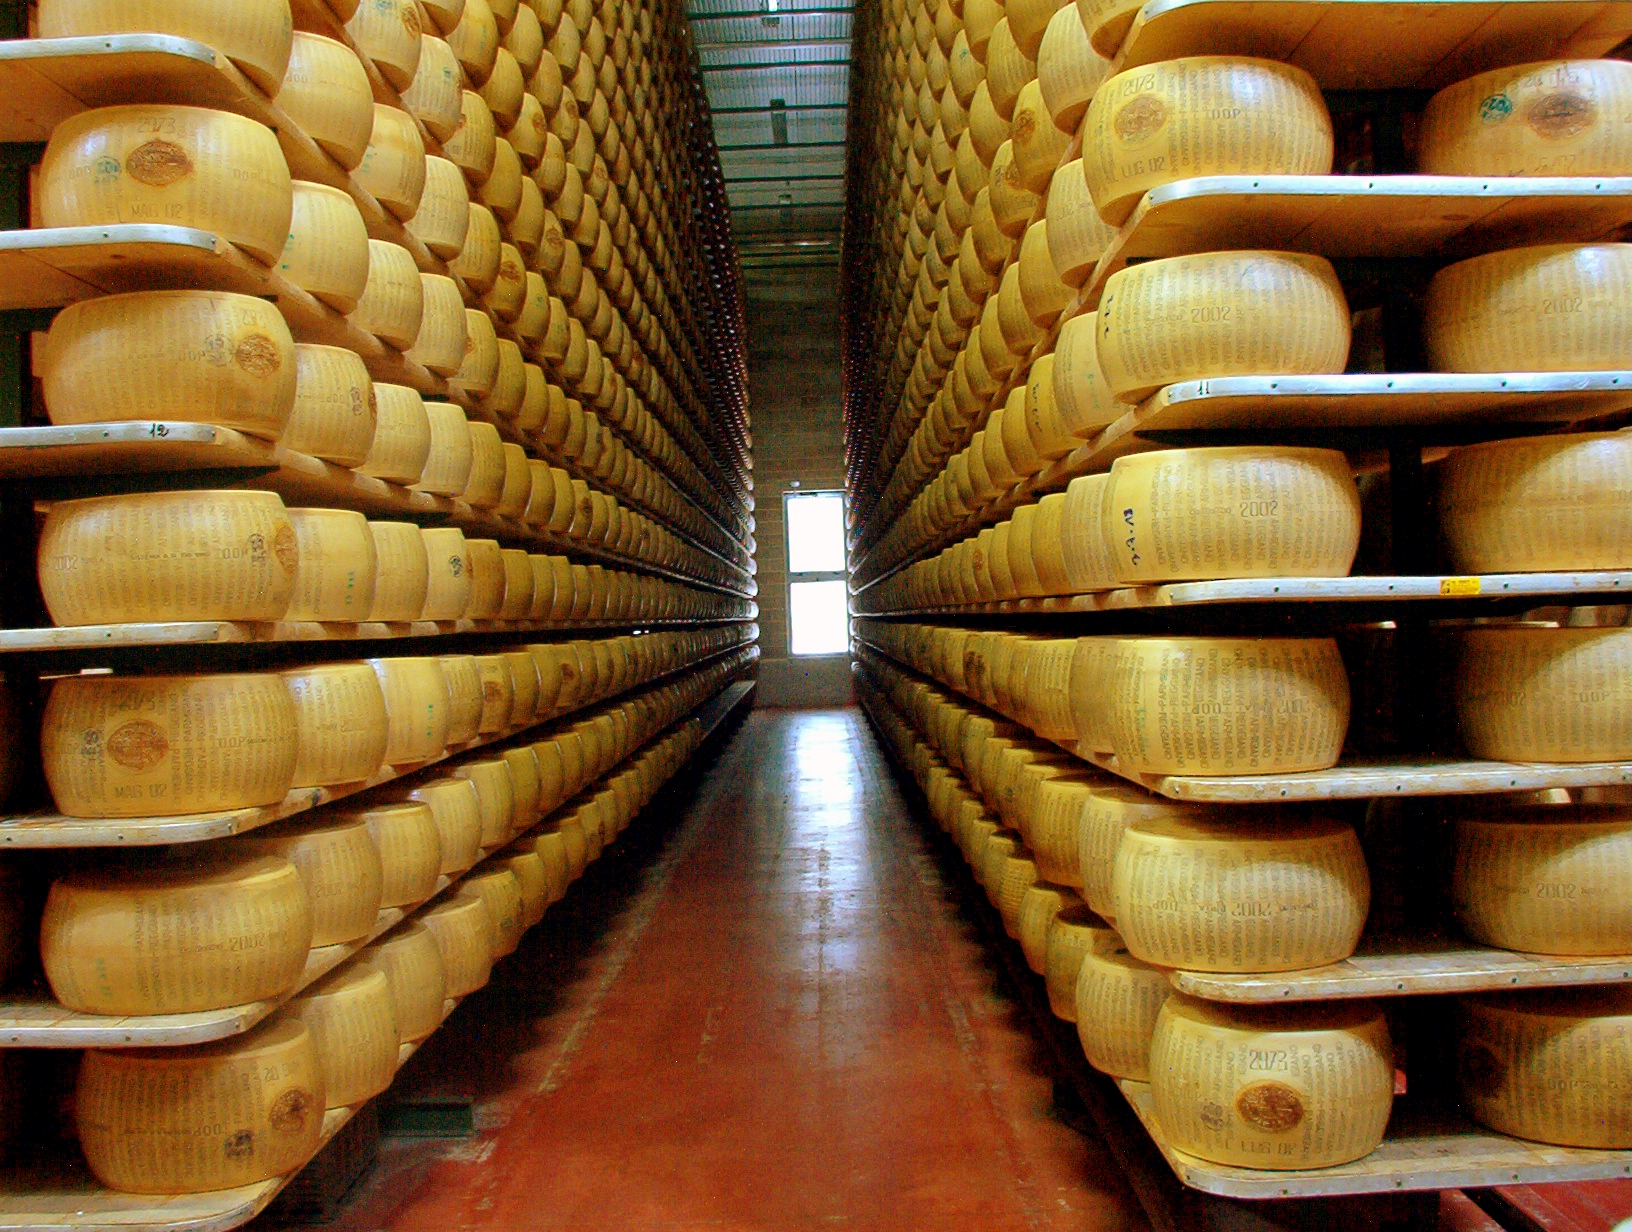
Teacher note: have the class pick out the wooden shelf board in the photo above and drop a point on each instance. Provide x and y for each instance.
(1413, 967)
(1424, 1152)
(52, 266)
(1376, 44)
(1356, 216)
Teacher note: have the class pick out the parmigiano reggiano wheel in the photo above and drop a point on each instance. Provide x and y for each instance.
(433, 97)
(176, 938)
(353, 1024)
(475, 40)
(457, 811)
(402, 435)
(200, 356)
(388, 33)
(161, 556)
(503, 89)
(402, 572)
(513, 498)
(1222, 895)
(412, 966)
(444, 14)
(393, 167)
(416, 706)
(253, 36)
(1108, 22)
(1085, 554)
(326, 93)
(181, 166)
(1238, 313)
(1054, 830)
(341, 867)
(451, 456)
(534, 882)
(1075, 933)
(335, 578)
(334, 412)
(500, 891)
(440, 343)
(1116, 1002)
(1069, 70)
(448, 589)
(326, 254)
(463, 929)
(1039, 904)
(464, 678)
(410, 847)
(393, 302)
(523, 672)
(479, 367)
(478, 259)
(340, 713)
(472, 143)
(526, 786)
(486, 578)
(1077, 235)
(204, 1117)
(1539, 504)
(1201, 115)
(1555, 117)
(1545, 880)
(1549, 1066)
(491, 778)
(1546, 695)
(1547, 308)
(155, 746)
(1228, 705)
(1232, 512)
(443, 216)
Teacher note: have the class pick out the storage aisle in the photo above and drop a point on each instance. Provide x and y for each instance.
(785, 1026)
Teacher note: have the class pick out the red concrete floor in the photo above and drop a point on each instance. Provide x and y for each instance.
(772, 1018)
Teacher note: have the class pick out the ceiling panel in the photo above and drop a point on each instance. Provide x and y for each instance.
(798, 128)
(762, 164)
(795, 86)
(781, 28)
(770, 55)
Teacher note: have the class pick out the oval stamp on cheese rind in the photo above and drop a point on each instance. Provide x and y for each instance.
(158, 163)
(1140, 118)
(138, 745)
(1272, 1107)
(1561, 114)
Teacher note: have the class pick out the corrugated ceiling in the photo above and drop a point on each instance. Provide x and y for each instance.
(778, 79)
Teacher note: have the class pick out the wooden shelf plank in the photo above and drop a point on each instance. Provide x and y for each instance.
(52, 266)
(1377, 44)
(1353, 216)
(1420, 1152)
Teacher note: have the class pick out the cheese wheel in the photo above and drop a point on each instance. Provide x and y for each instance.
(388, 33)
(341, 723)
(1116, 1000)
(494, 788)
(410, 847)
(393, 166)
(412, 966)
(443, 216)
(1069, 70)
(203, 1117)
(463, 929)
(515, 494)
(179, 166)
(524, 675)
(475, 40)
(353, 1024)
(526, 786)
(1545, 880)
(1550, 1066)
(1108, 22)
(341, 867)
(1539, 504)
(1200, 115)
(478, 259)
(1054, 830)
(1083, 398)
(162, 556)
(254, 36)
(176, 938)
(1085, 554)
(448, 585)
(1546, 695)
(480, 366)
(472, 143)
(1555, 117)
(451, 456)
(499, 890)
(456, 810)
(534, 882)
(1546, 308)
(506, 298)
(1221, 895)
(486, 564)
(198, 356)
(1232, 512)
(1228, 705)
(433, 96)
(326, 254)
(155, 746)
(529, 135)
(1077, 235)
(1039, 905)
(1074, 933)
(440, 343)
(1239, 313)
(445, 14)
(464, 679)
(335, 578)
(393, 303)
(334, 412)
(326, 93)
(401, 573)
(551, 850)
(504, 88)
(1107, 813)
(416, 707)
(1323, 1100)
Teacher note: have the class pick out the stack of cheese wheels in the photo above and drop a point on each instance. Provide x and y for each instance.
(176, 938)
(1556, 117)
(412, 966)
(351, 1017)
(1537, 504)
(1233, 512)
(177, 1120)
(1545, 695)
(1203, 115)
(1219, 705)
(1549, 1066)
(153, 746)
(1220, 314)
(338, 861)
(200, 356)
(1545, 880)
(341, 723)
(1116, 1000)
(1108, 811)
(168, 556)
(181, 166)
(1323, 1100)
(1547, 308)
(1269, 894)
